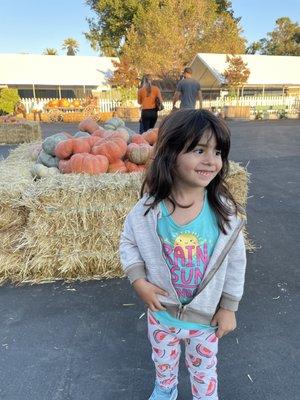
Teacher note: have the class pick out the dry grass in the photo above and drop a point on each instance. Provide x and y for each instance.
(21, 132)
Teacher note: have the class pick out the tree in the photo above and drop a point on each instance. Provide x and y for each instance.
(115, 19)
(8, 99)
(237, 72)
(225, 6)
(282, 41)
(50, 52)
(125, 75)
(162, 49)
(71, 45)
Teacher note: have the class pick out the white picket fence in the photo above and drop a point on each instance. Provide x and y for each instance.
(290, 102)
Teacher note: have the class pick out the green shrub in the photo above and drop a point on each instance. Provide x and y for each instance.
(8, 99)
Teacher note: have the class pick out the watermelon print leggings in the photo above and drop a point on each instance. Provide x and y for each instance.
(201, 347)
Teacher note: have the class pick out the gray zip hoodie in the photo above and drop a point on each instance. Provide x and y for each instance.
(222, 285)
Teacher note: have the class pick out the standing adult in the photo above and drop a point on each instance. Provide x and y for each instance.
(188, 91)
(147, 96)
(37, 109)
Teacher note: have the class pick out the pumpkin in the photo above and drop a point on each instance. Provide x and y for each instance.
(88, 164)
(63, 103)
(123, 134)
(68, 147)
(101, 132)
(112, 148)
(41, 171)
(151, 135)
(50, 142)
(138, 153)
(64, 166)
(47, 159)
(108, 127)
(138, 139)
(64, 149)
(93, 140)
(81, 134)
(132, 167)
(115, 123)
(76, 103)
(88, 125)
(117, 166)
(81, 145)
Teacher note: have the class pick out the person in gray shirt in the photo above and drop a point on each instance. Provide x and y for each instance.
(188, 91)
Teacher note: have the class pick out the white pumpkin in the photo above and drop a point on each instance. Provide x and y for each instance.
(41, 171)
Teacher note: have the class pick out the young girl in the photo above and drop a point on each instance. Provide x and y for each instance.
(183, 251)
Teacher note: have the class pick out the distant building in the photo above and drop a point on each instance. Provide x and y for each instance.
(269, 75)
(46, 76)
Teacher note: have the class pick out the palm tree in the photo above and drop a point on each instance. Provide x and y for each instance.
(50, 52)
(71, 45)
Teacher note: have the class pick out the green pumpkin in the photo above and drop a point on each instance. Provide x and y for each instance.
(115, 122)
(81, 134)
(50, 142)
(47, 159)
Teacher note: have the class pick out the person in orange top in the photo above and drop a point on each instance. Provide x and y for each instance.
(147, 95)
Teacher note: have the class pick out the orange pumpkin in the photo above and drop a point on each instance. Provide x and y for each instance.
(68, 147)
(132, 167)
(138, 139)
(112, 148)
(64, 166)
(151, 135)
(117, 166)
(93, 140)
(138, 153)
(100, 132)
(63, 103)
(88, 164)
(81, 145)
(76, 103)
(88, 125)
(64, 149)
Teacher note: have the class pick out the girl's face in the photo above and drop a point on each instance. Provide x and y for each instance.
(199, 167)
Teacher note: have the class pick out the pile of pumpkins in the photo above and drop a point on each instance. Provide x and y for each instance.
(94, 150)
(63, 103)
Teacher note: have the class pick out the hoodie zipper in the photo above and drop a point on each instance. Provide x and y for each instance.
(220, 259)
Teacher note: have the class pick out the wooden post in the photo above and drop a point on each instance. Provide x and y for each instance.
(263, 92)
(33, 89)
(59, 92)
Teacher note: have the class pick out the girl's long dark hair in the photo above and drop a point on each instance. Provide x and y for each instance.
(182, 131)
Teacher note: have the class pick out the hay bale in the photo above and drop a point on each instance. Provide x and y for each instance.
(71, 224)
(20, 132)
(74, 225)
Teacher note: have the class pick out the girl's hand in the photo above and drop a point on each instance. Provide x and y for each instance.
(225, 319)
(147, 292)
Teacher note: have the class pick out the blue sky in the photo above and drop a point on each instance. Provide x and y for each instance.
(33, 25)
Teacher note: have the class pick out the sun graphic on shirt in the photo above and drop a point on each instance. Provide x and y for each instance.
(186, 239)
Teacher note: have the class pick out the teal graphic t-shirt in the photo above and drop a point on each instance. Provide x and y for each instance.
(187, 250)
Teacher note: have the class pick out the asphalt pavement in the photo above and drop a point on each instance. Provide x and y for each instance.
(87, 341)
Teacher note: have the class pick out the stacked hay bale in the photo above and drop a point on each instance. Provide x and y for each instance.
(74, 225)
(19, 132)
(15, 176)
